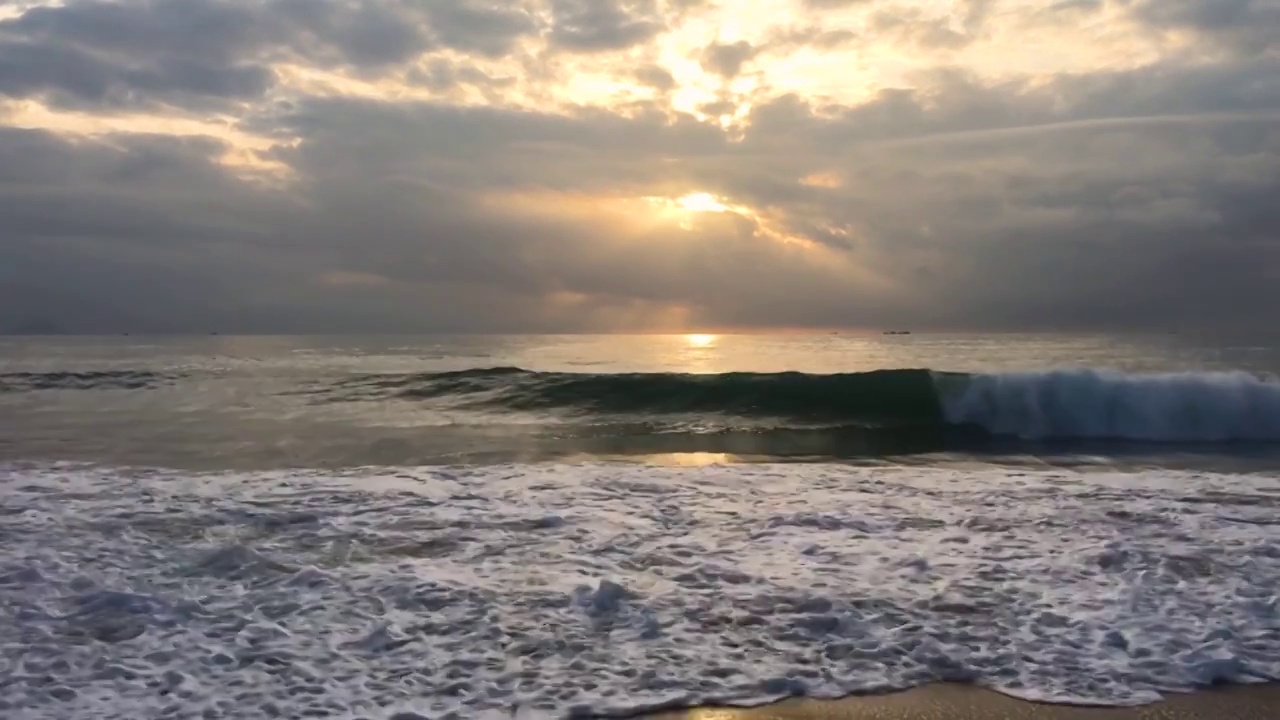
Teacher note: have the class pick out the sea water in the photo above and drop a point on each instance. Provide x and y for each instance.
(548, 527)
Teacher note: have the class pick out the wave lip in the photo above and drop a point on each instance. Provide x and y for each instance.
(1084, 404)
(1100, 404)
(880, 397)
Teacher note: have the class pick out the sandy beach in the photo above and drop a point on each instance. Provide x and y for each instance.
(962, 702)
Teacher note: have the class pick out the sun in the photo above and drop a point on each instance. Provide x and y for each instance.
(699, 340)
(692, 209)
(701, 202)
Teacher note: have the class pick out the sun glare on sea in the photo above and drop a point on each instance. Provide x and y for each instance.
(701, 202)
(692, 459)
(700, 341)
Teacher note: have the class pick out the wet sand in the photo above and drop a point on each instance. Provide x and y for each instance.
(962, 702)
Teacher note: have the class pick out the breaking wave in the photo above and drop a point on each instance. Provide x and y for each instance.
(1065, 404)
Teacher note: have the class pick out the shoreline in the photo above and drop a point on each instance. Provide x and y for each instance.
(952, 701)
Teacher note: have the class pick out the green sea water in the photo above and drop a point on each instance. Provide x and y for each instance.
(220, 402)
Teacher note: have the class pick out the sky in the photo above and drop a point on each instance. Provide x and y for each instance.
(638, 165)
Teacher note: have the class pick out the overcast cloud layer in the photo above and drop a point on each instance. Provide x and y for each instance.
(624, 165)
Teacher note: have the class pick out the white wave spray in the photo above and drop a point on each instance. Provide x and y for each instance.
(1099, 404)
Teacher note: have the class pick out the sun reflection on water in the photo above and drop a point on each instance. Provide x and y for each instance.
(691, 459)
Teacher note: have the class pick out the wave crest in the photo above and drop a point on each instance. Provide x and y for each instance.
(1098, 404)
(881, 397)
(1064, 404)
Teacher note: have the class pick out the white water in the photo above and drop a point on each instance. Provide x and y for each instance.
(1183, 407)
(548, 589)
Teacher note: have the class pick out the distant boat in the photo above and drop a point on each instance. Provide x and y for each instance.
(897, 332)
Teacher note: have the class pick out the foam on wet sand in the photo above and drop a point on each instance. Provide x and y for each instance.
(963, 702)
(547, 590)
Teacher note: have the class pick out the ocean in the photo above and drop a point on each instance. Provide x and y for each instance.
(537, 526)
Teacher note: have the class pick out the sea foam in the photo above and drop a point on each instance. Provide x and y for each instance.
(1099, 404)
(555, 590)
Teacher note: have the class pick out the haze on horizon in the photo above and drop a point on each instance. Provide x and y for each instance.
(632, 165)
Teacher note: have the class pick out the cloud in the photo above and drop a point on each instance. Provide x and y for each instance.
(70, 77)
(599, 25)
(1249, 27)
(833, 4)
(437, 165)
(193, 52)
(727, 59)
(656, 77)
(1010, 207)
(143, 232)
(131, 55)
